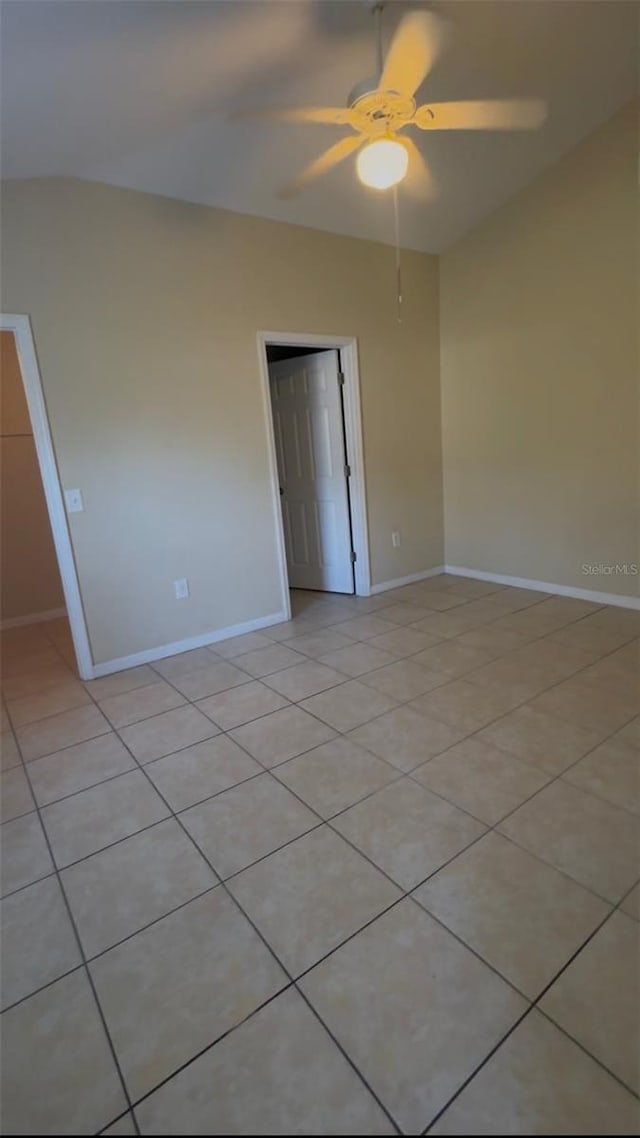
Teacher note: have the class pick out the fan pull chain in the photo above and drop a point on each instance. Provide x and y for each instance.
(396, 217)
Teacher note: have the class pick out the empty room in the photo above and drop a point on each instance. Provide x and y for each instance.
(320, 567)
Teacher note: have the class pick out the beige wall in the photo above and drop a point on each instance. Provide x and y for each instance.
(539, 356)
(30, 581)
(145, 312)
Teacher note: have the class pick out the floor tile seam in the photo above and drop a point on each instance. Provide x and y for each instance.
(80, 947)
(534, 1005)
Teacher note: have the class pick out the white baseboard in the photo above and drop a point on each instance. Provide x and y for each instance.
(32, 618)
(546, 587)
(410, 580)
(151, 654)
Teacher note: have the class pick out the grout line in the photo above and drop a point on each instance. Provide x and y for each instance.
(79, 944)
(262, 938)
(534, 1004)
(405, 894)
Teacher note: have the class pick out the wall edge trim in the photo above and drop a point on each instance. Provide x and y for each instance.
(148, 655)
(383, 586)
(619, 599)
(32, 618)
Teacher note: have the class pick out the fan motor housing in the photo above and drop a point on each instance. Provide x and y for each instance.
(381, 111)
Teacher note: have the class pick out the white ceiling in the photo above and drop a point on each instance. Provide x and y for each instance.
(139, 93)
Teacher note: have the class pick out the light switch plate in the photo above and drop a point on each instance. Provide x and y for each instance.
(73, 498)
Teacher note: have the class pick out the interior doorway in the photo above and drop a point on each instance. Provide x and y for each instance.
(26, 409)
(313, 410)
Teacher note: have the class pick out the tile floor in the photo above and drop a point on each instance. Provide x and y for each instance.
(373, 871)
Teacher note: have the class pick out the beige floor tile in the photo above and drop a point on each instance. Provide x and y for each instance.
(402, 613)
(335, 775)
(267, 660)
(38, 942)
(494, 641)
(612, 771)
(523, 917)
(406, 738)
(177, 986)
(166, 733)
(349, 705)
(58, 1075)
(59, 731)
(280, 736)
(95, 818)
(408, 832)
(28, 683)
(404, 680)
(27, 664)
(240, 705)
(514, 599)
(595, 843)
(78, 767)
(586, 705)
(219, 675)
(51, 701)
(481, 779)
(141, 703)
(403, 641)
(185, 662)
(9, 754)
(358, 658)
(631, 903)
(240, 645)
(309, 896)
(246, 823)
(121, 889)
(304, 680)
(365, 627)
(529, 622)
(446, 625)
(298, 626)
(631, 733)
(465, 705)
(413, 1008)
(120, 682)
(606, 1023)
(544, 740)
(559, 660)
(196, 773)
(452, 658)
(124, 1125)
(15, 796)
(443, 601)
(316, 644)
(601, 639)
(25, 854)
(539, 1082)
(508, 674)
(256, 1081)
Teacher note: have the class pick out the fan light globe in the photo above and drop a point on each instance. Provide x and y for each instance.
(382, 164)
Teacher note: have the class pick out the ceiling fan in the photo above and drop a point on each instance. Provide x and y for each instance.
(378, 108)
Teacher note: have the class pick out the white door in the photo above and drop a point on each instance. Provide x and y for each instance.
(307, 418)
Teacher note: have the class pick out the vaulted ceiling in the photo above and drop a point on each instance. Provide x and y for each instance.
(139, 94)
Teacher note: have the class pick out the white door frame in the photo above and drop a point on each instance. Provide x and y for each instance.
(348, 348)
(32, 383)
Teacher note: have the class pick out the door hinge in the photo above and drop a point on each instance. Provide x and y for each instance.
(347, 470)
(354, 557)
(341, 378)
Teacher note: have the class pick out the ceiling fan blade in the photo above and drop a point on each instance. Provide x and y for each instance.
(337, 115)
(419, 40)
(336, 153)
(482, 114)
(418, 180)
